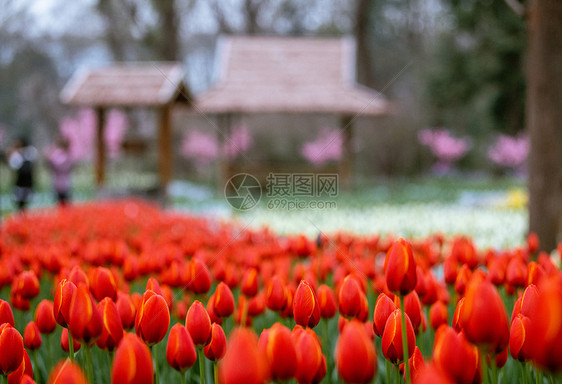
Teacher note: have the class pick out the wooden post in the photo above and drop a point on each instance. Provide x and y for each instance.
(165, 149)
(346, 164)
(223, 134)
(100, 147)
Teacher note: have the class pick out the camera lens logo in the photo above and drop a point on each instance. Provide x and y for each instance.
(242, 191)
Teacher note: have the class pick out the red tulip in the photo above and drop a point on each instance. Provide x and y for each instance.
(309, 356)
(180, 351)
(250, 282)
(24, 369)
(126, 309)
(453, 354)
(85, 322)
(45, 318)
(384, 307)
(26, 285)
(63, 297)
(484, 319)
(153, 285)
(355, 354)
(112, 326)
(438, 315)
(243, 363)
(198, 324)
(349, 297)
(224, 300)
(200, 277)
(458, 316)
(450, 270)
(416, 364)
(305, 305)
(132, 363)
(392, 338)
(412, 307)
(535, 273)
(276, 295)
(432, 374)
(6, 314)
(78, 276)
(516, 272)
(153, 318)
(256, 305)
(276, 343)
(216, 348)
(463, 278)
(518, 338)
(11, 349)
(66, 372)
(533, 243)
(103, 284)
(32, 336)
(327, 302)
(400, 268)
(64, 342)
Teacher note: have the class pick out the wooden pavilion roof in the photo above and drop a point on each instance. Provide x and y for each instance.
(288, 75)
(139, 84)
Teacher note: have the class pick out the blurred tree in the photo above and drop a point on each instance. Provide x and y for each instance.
(544, 117)
(476, 79)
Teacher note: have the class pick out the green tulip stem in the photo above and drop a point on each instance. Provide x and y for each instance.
(201, 358)
(155, 356)
(404, 339)
(70, 347)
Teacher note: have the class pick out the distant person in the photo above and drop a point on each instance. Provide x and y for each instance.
(60, 162)
(21, 158)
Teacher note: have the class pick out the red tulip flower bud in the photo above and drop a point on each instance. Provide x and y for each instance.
(250, 282)
(201, 280)
(153, 318)
(216, 349)
(25, 369)
(198, 324)
(533, 242)
(349, 297)
(256, 305)
(32, 336)
(416, 364)
(103, 284)
(26, 285)
(85, 322)
(384, 307)
(78, 276)
(458, 316)
(400, 268)
(305, 306)
(63, 297)
(309, 355)
(535, 273)
(392, 338)
(277, 344)
(67, 372)
(180, 351)
(455, 355)
(450, 270)
(276, 294)
(223, 301)
(126, 309)
(45, 318)
(516, 272)
(412, 306)
(355, 354)
(527, 303)
(327, 302)
(463, 278)
(518, 341)
(6, 314)
(484, 319)
(19, 302)
(11, 349)
(243, 362)
(438, 315)
(132, 363)
(153, 285)
(64, 342)
(112, 331)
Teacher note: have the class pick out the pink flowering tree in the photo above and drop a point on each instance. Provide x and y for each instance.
(446, 148)
(203, 147)
(328, 146)
(510, 152)
(80, 131)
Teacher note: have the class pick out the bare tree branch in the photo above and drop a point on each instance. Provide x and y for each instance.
(516, 7)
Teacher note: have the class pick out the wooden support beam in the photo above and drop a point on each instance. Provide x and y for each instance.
(100, 147)
(346, 164)
(223, 134)
(165, 148)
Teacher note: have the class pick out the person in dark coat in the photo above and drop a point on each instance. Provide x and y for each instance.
(21, 159)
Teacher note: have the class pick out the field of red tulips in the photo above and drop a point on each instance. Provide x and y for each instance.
(123, 292)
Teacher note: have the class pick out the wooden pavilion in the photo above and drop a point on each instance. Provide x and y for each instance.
(156, 85)
(261, 75)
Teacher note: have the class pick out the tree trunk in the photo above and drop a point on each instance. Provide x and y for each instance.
(365, 69)
(544, 120)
